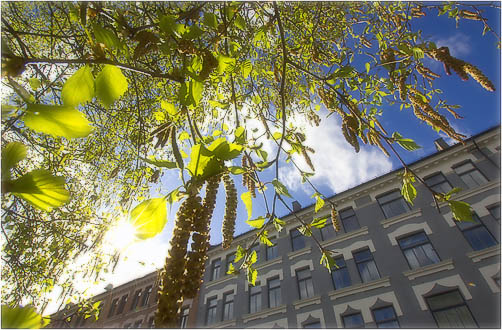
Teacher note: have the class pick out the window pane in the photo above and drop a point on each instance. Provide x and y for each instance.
(341, 278)
(445, 300)
(216, 265)
(313, 325)
(412, 259)
(350, 224)
(479, 238)
(254, 298)
(327, 231)
(388, 325)
(383, 314)
(412, 240)
(368, 271)
(389, 197)
(272, 251)
(362, 255)
(297, 240)
(353, 321)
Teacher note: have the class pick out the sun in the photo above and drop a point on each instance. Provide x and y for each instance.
(120, 235)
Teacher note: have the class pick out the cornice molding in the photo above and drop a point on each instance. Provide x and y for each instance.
(358, 288)
(477, 256)
(429, 269)
(402, 217)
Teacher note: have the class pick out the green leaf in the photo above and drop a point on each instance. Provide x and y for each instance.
(235, 170)
(264, 238)
(256, 223)
(319, 222)
(34, 83)
(319, 203)
(452, 192)
(461, 210)
(79, 88)
(57, 120)
(240, 135)
(203, 163)
(210, 20)
(263, 154)
(407, 144)
(280, 188)
(173, 196)
(248, 202)
(12, 153)
(409, 192)
(277, 135)
(305, 230)
(196, 88)
(22, 318)
(224, 150)
(40, 188)
(246, 68)
(110, 85)
(232, 270)
(368, 66)
(240, 253)
(149, 217)
(239, 22)
(252, 274)
(106, 37)
(418, 53)
(224, 63)
(279, 224)
(159, 163)
(168, 107)
(328, 261)
(252, 258)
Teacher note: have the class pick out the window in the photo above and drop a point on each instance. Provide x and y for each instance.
(349, 220)
(215, 269)
(418, 250)
(366, 265)
(385, 317)
(476, 233)
(393, 204)
(255, 298)
(305, 286)
(230, 260)
(450, 311)
(471, 176)
(438, 183)
(327, 231)
(146, 295)
(150, 322)
(495, 212)
(353, 321)
(137, 324)
(115, 302)
(274, 292)
(123, 302)
(340, 275)
(313, 325)
(297, 240)
(184, 317)
(212, 303)
(135, 300)
(272, 252)
(228, 306)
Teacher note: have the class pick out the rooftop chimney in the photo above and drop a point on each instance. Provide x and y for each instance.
(296, 206)
(441, 144)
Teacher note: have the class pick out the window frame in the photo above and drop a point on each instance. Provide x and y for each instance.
(298, 236)
(340, 269)
(445, 180)
(308, 283)
(274, 289)
(449, 307)
(137, 324)
(345, 219)
(256, 295)
(479, 225)
(122, 306)
(229, 259)
(214, 268)
(385, 320)
(272, 248)
(400, 197)
(146, 296)
(352, 314)
(372, 259)
(415, 245)
(327, 231)
(113, 307)
(491, 208)
(474, 169)
(213, 309)
(136, 299)
(229, 304)
(184, 317)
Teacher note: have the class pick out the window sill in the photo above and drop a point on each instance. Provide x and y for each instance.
(471, 192)
(229, 323)
(264, 313)
(307, 302)
(429, 269)
(353, 234)
(221, 280)
(402, 217)
(294, 254)
(274, 261)
(358, 288)
(477, 256)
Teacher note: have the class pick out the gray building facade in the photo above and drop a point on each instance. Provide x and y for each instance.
(399, 265)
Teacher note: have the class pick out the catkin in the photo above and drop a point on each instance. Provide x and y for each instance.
(230, 211)
(335, 221)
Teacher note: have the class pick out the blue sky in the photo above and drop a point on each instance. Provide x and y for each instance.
(338, 167)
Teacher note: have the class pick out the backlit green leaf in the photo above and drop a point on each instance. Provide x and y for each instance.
(256, 223)
(203, 163)
(461, 210)
(328, 261)
(264, 238)
(235, 170)
(407, 144)
(210, 20)
(168, 107)
(79, 88)
(160, 163)
(22, 318)
(232, 270)
(279, 224)
(280, 188)
(224, 63)
(319, 222)
(305, 230)
(40, 188)
(12, 153)
(252, 258)
(57, 120)
(240, 253)
(409, 192)
(252, 274)
(149, 217)
(34, 83)
(248, 202)
(110, 85)
(319, 203)
(224, 150)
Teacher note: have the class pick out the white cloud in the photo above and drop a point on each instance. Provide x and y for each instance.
(337, 164)
(458, 43)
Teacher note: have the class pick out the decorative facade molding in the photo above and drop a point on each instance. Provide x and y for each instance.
(223, 279)
(264, 313)
(353, 234)
(477, 256)
(275, 261)
(307, 302)
(429, 269)
(301, 252)
(402, 217)
(408, 229)
(353, 289)
(450, 281)
(315, 314)
(489, 272)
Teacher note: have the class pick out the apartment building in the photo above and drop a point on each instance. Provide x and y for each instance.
(399, 265)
